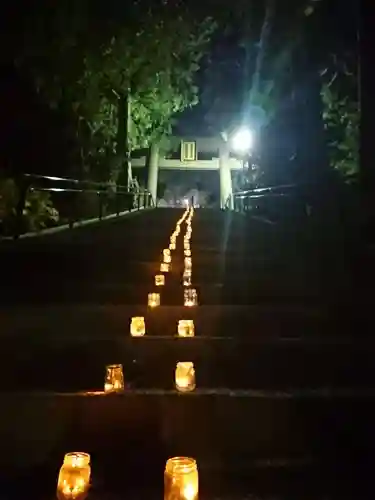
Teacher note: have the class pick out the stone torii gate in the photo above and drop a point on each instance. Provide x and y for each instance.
(187, 154)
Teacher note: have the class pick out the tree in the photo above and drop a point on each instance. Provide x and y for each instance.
(342, 116)
(164, 45)
(94, 61)
(258, 62)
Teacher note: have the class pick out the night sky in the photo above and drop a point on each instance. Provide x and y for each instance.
(336, 21)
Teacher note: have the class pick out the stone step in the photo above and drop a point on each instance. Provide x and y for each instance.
(264, 479)
(134, 291)
(105, 321)
(224, 429)
(78, 363)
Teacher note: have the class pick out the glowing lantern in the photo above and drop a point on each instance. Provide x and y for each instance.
(186, 245)
(190, 297)
(187, 262)
(181, 479)
(185, 376)
(164, 267)
(187, 273)
(187, 252)
(114, 379)
(166, 252)
(154, 299)
(186, 280)
(159, 280)
(167, 259)
(185, 328)
(177, 230)
(137, 326)
(172, 246)
(74, 477)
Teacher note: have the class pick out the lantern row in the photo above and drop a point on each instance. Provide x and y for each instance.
(181, 473)
(185, 327)
(184, 378)
(181, 480)
(154, 297)
(190, 294)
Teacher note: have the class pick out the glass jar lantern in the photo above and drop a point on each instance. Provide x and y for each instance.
(167, 259)
(185, 376)
(187, 252)
(74, 477)
(164, 267)
(181, 480)
(137, 326)
(188, 263)
(114, 379)
(159, 280)
(153, 299)
(186, 280)
(190, 297)
(185, 328)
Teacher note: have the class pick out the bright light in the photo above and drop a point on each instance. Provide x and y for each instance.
(242, 140)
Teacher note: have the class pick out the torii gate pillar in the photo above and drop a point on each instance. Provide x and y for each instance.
(225, 178)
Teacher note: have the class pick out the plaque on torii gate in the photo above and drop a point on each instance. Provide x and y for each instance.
(188, 151)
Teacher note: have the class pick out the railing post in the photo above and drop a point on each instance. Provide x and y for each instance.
(100, 205)
(117, 204)
(22, 193)
(138, 200)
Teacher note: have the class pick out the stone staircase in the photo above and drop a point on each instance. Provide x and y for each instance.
(285, 386)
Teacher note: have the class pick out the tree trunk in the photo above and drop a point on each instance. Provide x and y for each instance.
(247, 41)
(262, 49)
(122, 168)
(152, 170)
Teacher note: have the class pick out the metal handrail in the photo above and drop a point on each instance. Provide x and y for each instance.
(240, 201)
(104, 199)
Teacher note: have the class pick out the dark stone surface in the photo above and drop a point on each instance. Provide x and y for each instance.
(145, 482)
(228, 430)
(278, 316)
(77, 364)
